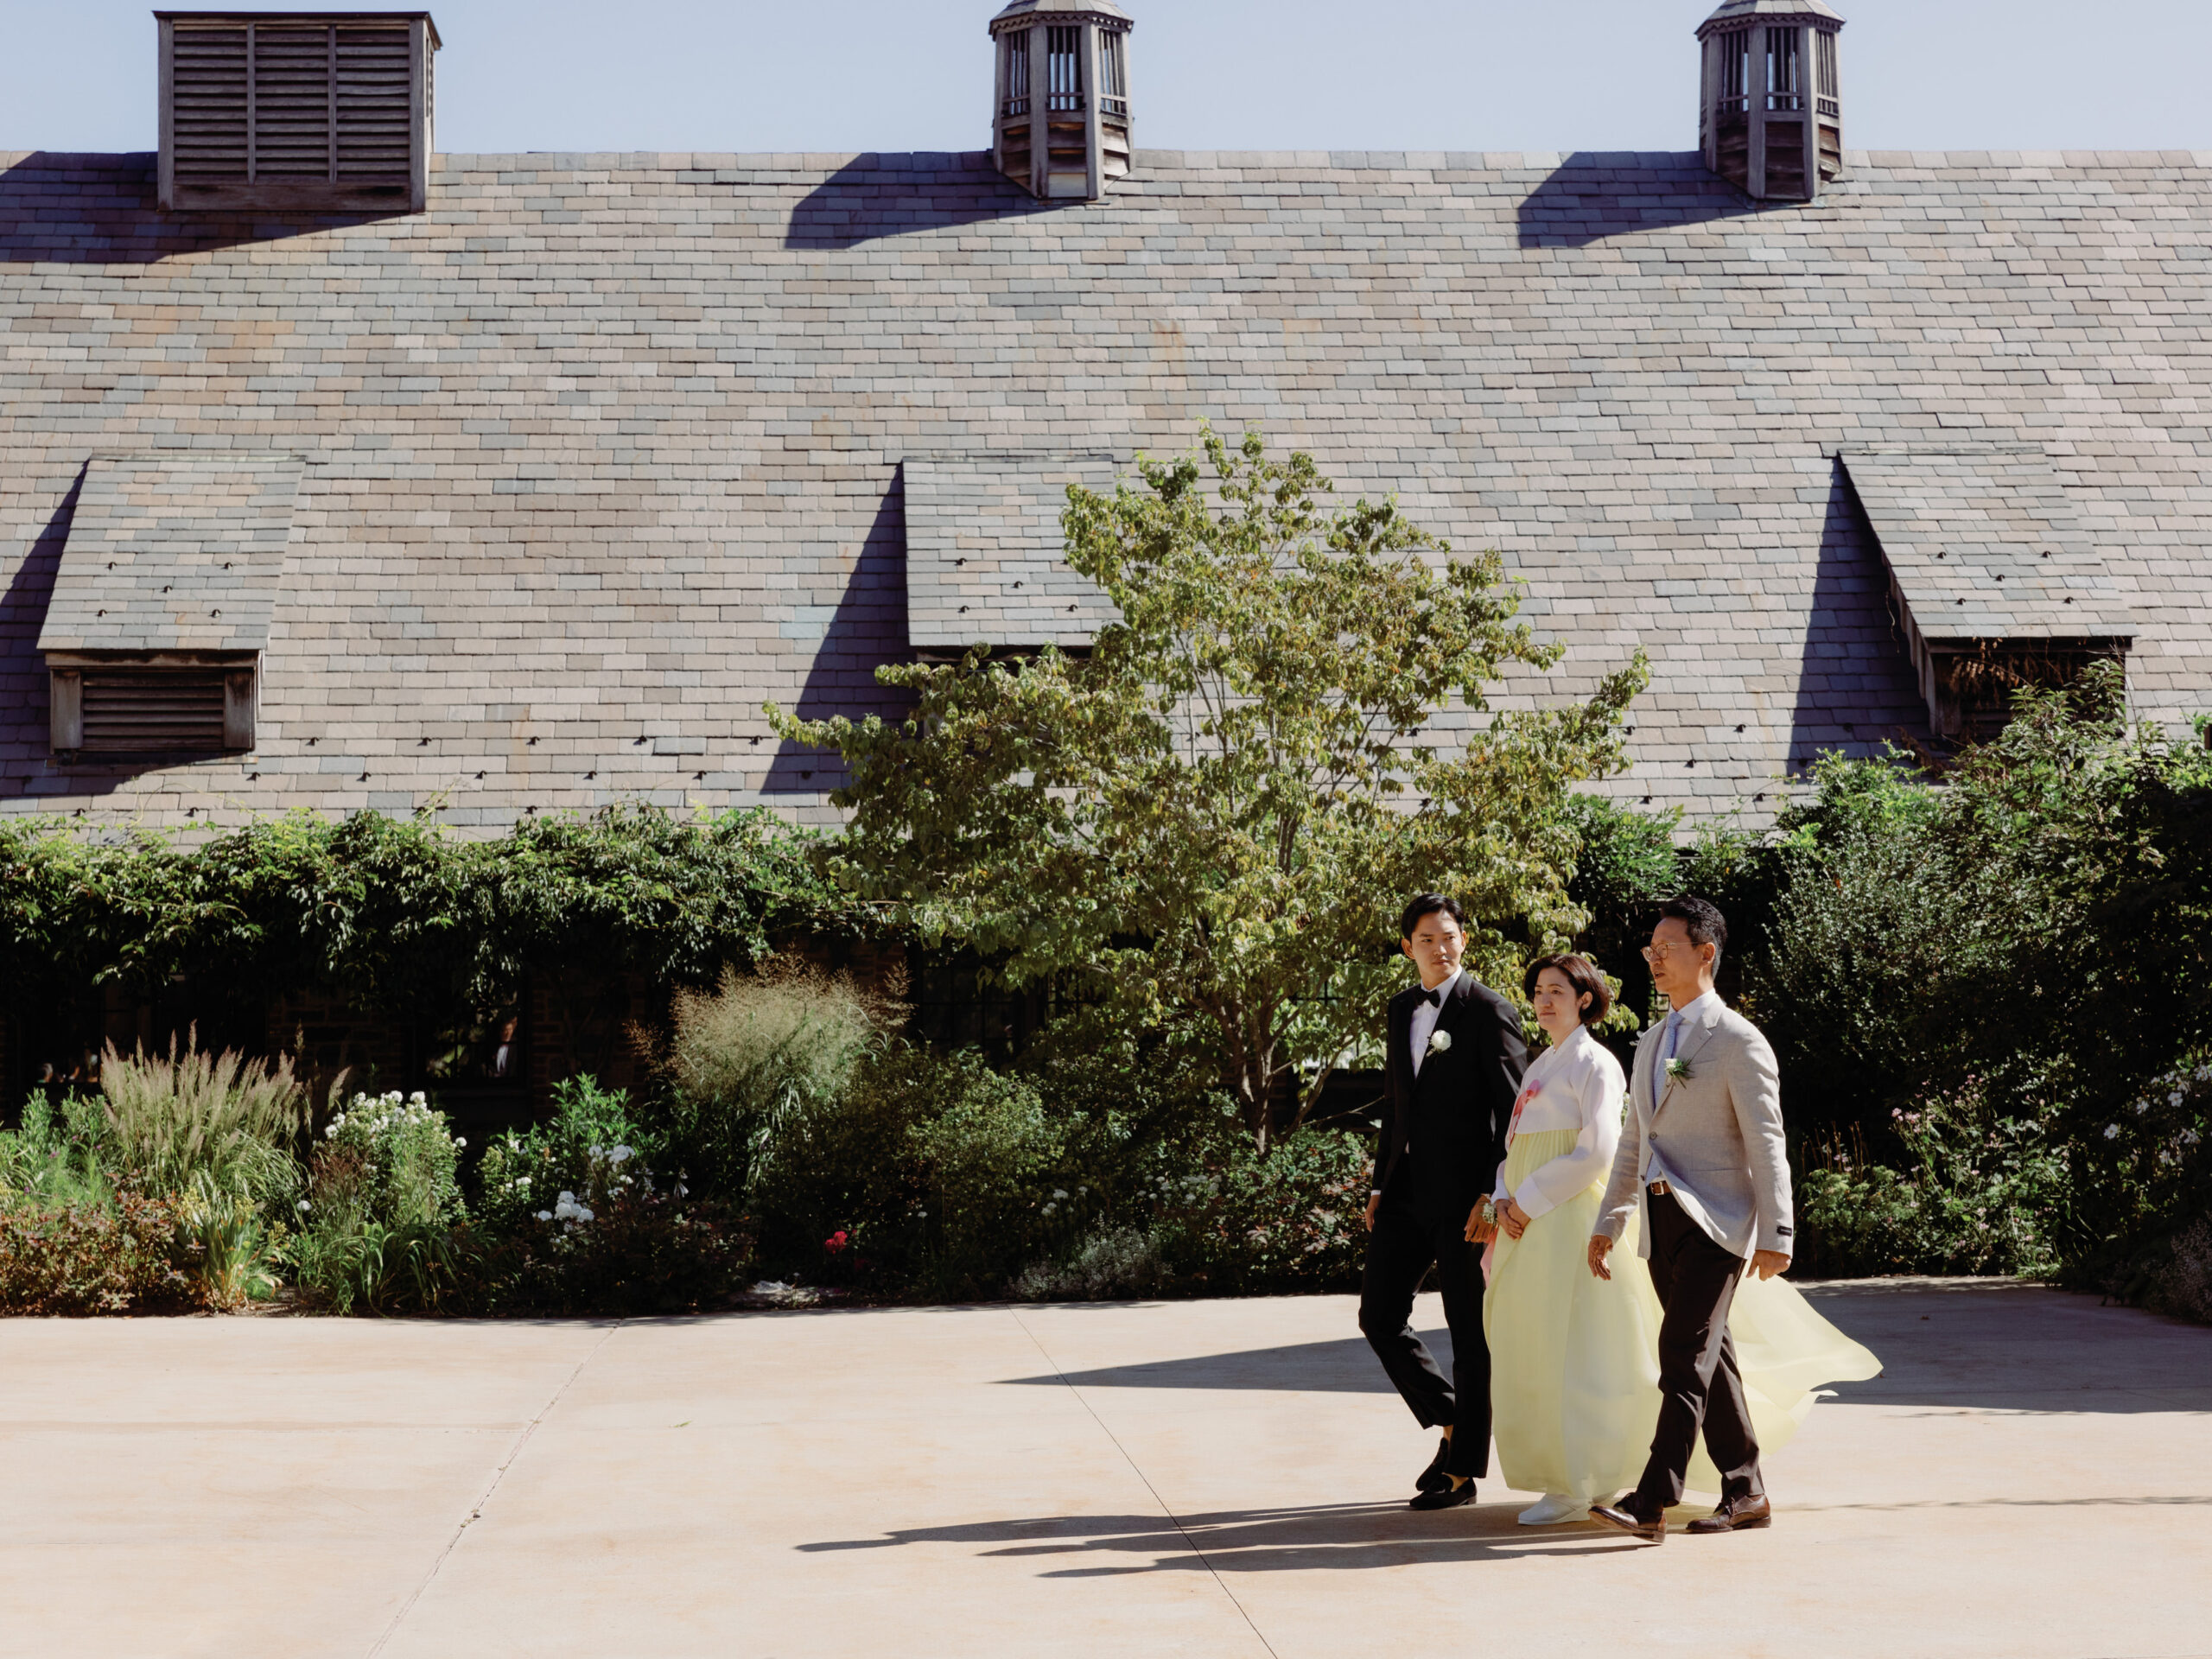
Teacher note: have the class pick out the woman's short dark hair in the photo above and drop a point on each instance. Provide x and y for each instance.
(1703, 919)
(1579, 972)
(1428, 904)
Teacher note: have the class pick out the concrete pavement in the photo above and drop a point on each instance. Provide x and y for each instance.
(2032, 1476)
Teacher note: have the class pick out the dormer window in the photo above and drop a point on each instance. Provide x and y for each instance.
(985, 554)
(1993, 580)
(155, 631)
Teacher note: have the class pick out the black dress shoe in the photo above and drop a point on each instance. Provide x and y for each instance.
(1736, 1514)
(1628, 1516)
(1446, 1497)
(1432, 1478)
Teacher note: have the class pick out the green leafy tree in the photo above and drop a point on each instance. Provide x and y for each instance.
(1209, 821)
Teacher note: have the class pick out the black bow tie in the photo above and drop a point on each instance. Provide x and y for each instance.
(1435, 998)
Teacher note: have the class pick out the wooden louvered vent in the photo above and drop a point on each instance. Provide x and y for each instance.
(153, 708)
(331, 112)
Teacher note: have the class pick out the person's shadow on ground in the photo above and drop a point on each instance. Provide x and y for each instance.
(1329, 1536)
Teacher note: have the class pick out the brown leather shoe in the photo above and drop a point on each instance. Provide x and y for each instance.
(1736, 1514)
(1627, 1515)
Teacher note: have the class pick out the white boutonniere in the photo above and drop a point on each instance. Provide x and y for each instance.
(1678, 1070)
(1438, 1041)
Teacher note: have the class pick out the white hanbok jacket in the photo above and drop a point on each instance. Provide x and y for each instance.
(1577, 1085)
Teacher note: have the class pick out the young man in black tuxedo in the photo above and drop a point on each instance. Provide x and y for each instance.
(1453, 1068)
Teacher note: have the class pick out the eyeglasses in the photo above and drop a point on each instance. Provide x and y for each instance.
(1656, 954)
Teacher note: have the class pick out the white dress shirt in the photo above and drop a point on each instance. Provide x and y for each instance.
(1426, 1015)
(1577, 1085)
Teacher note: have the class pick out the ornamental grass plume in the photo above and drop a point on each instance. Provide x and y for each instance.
(235, 1118)
(759, 1050)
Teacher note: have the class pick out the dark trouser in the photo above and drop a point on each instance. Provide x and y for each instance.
(1699, 1383)
(1399, 1253)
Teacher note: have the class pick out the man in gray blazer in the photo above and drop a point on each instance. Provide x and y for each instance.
(1702, 1165)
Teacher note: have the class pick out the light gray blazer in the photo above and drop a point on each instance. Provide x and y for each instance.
(1719, 1131)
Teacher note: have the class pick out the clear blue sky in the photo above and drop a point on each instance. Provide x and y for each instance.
(1208, 75)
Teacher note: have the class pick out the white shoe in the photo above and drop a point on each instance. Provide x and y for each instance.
(1553, 1510)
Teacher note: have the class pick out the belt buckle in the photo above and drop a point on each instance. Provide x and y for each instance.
(1661, 1189)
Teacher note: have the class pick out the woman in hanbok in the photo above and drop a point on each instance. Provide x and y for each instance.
(1575, 1359)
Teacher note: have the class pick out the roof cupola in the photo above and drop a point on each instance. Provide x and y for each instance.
(1061, 126)
(1771, 119)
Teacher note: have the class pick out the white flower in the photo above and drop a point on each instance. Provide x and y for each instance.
(2112, 1131)
(2189, 1137)
(459, 1142)
(1060, 1194)
(1050, 1208)
(545, 1215)
(303, 1206)
(2176, 1097)
(1438, 1041)
(567, 1197)
(620, 1154)
(595, 1151)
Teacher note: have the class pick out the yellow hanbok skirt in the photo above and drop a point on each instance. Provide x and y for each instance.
(1575, 1359)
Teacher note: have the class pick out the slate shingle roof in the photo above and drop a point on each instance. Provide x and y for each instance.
(604, 451)
(177, 552)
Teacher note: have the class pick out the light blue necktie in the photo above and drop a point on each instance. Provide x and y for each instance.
(1667, 1052)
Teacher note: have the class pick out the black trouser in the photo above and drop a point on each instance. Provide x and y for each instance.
(1399, 1252)
(1699, 1383)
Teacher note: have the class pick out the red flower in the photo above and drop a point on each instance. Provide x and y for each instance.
(836, 1241)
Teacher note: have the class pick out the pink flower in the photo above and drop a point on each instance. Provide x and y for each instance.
(836, 1241)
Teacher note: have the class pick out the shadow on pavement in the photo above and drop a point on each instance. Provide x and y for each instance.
(1347, 1366)
(1989, 1347)
(1332, 1536)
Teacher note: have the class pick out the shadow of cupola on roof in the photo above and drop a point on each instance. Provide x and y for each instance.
(876, 196)
(1592, 196)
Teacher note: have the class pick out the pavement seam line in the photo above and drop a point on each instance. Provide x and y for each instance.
(1174, 1519)
(476, 1509)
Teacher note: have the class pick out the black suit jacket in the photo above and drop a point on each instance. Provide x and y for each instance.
(1444, 1131)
